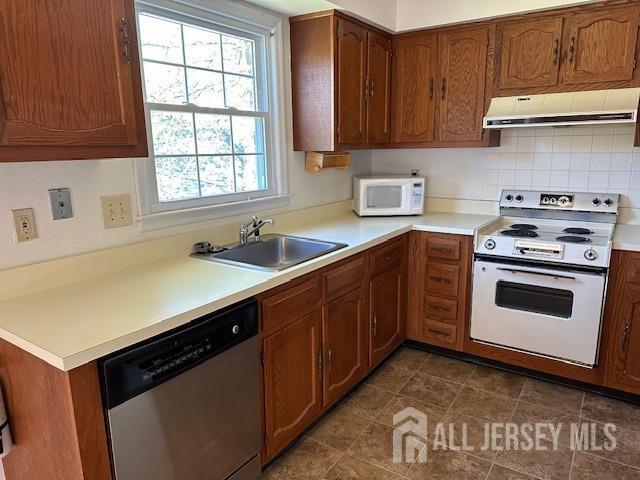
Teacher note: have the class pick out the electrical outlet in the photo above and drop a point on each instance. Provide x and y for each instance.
(116, 211)
(24, 224)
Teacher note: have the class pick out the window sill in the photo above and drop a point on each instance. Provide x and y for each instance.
(176, 218)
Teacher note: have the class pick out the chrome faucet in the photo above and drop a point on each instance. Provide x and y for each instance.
(253, 228)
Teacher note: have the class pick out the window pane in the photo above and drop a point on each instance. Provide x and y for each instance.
(247, 135)
(237, 54)
(172, 133)
(213, 133)
(202, 48)
(216, 175)
(205, 88)
(240, 92)
(161, 39)
(250, 173)
(164, 83)
(177, 178)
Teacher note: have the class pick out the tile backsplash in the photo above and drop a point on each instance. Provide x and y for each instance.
(599, 159)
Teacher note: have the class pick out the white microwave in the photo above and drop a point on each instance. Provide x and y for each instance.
(388, 195)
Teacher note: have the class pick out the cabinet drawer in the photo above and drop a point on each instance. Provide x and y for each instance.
(284, 305)
(442, 280)
(344, 278)
(445, 248)
(440, 332)
(387, 257)
(440, 308)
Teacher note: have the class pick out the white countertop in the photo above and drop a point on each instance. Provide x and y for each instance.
(627, 237)
(77, 323)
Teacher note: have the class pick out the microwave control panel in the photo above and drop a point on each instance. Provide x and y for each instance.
(417, 197)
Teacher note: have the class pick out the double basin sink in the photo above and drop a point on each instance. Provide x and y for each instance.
(272, 252)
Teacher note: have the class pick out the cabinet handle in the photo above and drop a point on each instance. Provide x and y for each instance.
(375, 324)
(441, 249)
(431, 88)
(556, 49)
(319, 365)
(371, 84)
(572, 48)
(437, 308)
(623, 340)
(444, 87)
(438, 333)
(392, 256)
(329, 358)
(440, 279)
(126, 40)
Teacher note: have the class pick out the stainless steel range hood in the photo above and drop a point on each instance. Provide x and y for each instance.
(560, 109)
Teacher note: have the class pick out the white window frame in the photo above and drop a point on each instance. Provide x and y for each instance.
(266, 31)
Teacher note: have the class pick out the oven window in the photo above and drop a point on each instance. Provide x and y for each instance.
(532, 298)
(384, 196)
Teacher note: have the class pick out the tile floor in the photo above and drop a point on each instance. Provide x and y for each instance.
(355, 440)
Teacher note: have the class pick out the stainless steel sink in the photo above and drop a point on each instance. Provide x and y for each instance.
(272, 252)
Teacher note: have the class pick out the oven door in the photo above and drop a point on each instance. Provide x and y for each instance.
(546, 311)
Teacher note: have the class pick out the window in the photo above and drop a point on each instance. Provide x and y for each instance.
(208, 111)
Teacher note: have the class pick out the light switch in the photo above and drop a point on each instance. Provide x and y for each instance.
(60, 203)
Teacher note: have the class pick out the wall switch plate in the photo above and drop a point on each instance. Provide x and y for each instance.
(116, 211)
(24, 224)
(60, 203)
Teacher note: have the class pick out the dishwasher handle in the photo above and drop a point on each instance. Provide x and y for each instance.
(137, 369)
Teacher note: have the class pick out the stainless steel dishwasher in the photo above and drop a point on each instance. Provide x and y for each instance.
(185, 405)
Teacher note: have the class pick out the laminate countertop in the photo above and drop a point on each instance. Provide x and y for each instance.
(74, 324)
(627, 237)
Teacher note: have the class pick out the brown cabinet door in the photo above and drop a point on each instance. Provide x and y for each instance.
(387, 314)
(414, 84)
(67, 76)
(292, 381)
(530, 53)
(344, 340)
(351, 73)
(601, 46)
(461, 84)
(378, 92)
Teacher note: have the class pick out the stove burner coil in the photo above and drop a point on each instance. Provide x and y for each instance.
(519, 233)
(573, 239)
(578, 231)
(523, 226)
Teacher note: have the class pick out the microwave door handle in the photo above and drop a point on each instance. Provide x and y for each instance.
(544, 274)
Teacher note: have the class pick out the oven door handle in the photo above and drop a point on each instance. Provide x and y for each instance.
(544, 274)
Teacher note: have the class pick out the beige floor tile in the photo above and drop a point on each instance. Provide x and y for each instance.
(552, 395)
(432, 390)
(497, 381)
(627, 446)
(399, 402)
(547, 464)
(339, 429)
(448, 368)
(410, 358)
(445, 464)
(481, 404)
(561, 422)
(307, 460)
(606, 410)
(588, 467)
(390, 377)
(349, 468)
(502, 473)
(375, 446)
(367, 401)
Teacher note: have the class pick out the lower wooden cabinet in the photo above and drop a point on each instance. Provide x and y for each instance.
(292, 381)
(387, 319)
(344, 324)
(621, 348)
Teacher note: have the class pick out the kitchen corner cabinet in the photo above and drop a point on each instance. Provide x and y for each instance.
(70, 84)
(621, 341)
(341, 79)
(440, 279)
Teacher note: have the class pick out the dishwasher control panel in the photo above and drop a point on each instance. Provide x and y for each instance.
(134, 370)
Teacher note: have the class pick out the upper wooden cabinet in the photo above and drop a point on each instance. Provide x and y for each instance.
(341, 71)
(414, 74)
(602, 46)
(531, 53)
(462, 76)
(70, 80)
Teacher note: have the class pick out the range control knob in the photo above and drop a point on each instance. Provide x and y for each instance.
(595, 202)
(608, 202)
(490, 244)
(509, 198)
(235, 329)
(590, 254)
(519, 198)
